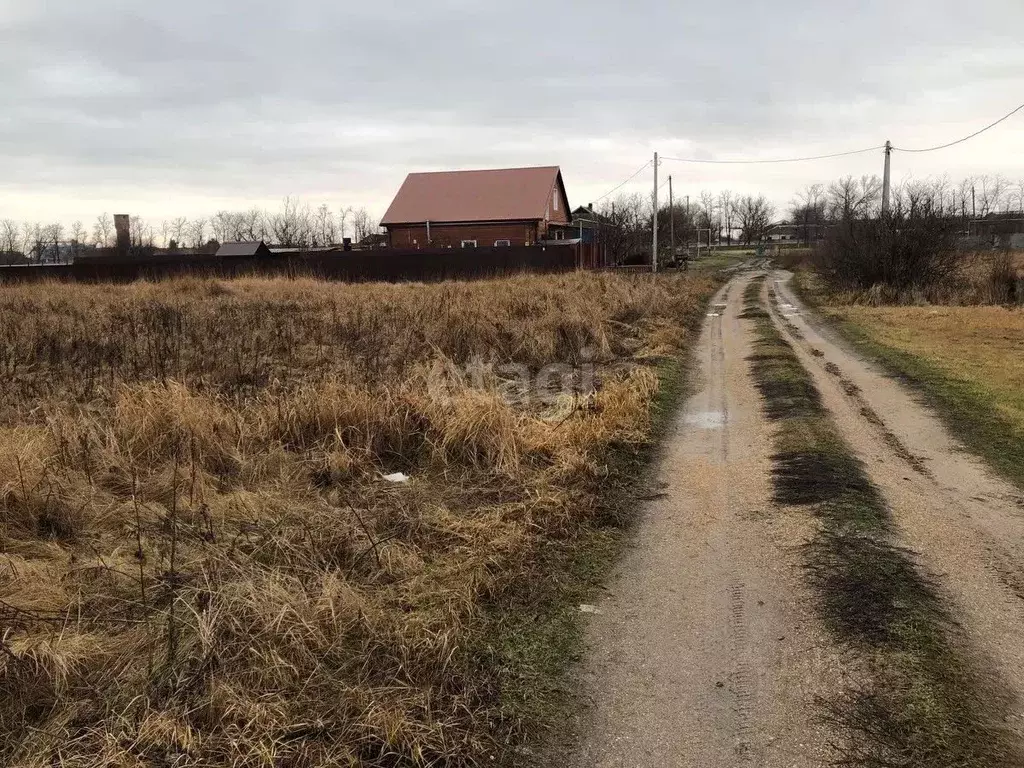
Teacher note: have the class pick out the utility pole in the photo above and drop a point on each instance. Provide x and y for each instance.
(686, 245)
(885, 179)
(671, 222)
(654, 218)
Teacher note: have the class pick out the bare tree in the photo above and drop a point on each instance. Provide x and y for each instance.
(253, 225)
(942, 193)
(325, 230)
(726, 214)
(343, 215)
(140, 233)
(810, 211)
(915, 193)
(628, 234)
(103, 231)
(32, 240)
(965, 197)
(706, 215)
(179, 229)
(50, 238)
(363, 225)
(197, 233)
(224, 225)
(684, 225)
(850, 198)
(755, 217)
(78, 236)
(78, 233)
(10, 237)
(991, 192)
(291, 227)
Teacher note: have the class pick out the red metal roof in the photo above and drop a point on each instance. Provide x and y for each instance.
(509, 194)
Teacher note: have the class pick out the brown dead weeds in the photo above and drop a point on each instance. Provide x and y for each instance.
(201, 562)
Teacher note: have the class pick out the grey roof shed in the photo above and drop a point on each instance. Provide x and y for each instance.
(256, 249)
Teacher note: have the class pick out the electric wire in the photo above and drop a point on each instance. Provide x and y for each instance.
(639, 170)
(965, 138)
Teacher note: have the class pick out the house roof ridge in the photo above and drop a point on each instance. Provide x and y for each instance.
(482, 194)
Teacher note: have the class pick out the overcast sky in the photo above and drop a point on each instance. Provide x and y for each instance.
(192, 106)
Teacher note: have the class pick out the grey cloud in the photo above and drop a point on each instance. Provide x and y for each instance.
(277, 98)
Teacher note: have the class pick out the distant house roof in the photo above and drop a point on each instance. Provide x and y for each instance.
(510, 194)
(588, 216)
(258, 248)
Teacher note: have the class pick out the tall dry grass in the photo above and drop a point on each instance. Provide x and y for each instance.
(201, 563)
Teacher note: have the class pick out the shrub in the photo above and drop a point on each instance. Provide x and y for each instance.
(913, 248)
(1004, 283)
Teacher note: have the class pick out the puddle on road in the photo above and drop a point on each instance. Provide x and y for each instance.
(705, 419)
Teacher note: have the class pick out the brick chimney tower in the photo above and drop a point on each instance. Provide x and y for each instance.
(124, 240)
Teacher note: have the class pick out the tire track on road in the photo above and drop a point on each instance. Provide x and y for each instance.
(957, 515)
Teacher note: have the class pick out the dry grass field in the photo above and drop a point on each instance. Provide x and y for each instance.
(982, 345)
(967, 361)
(201, 561)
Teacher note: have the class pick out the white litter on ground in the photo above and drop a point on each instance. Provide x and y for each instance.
(397, 477)
(705, 419)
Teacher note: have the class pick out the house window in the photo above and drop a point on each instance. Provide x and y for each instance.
(555, 198)
(559, 234)
(504, 243)
(469, 243)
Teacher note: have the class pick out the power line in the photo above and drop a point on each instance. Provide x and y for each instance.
(639, 170)
(965, 138)
(776, 160)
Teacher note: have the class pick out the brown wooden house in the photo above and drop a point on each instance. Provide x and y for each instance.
(512, 206)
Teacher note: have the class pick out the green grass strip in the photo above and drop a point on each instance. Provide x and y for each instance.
(967, 410)
(921, 703)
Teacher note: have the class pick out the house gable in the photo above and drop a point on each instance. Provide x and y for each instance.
(558, 202)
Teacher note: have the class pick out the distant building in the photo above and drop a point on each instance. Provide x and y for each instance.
(512, 206)
(785, 232)
(999, 230)
(256, 249)
(587, 224)
(373, 240)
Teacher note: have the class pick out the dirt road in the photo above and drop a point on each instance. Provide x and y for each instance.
(706, 650)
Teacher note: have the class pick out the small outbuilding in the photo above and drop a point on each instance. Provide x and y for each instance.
(256, 250)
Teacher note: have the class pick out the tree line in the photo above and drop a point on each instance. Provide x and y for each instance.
(728, 218)
(715, 218)
(295, 224)
(711, 218)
